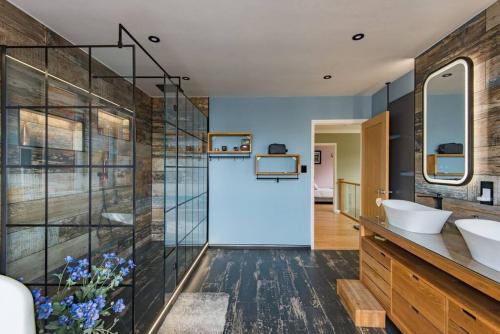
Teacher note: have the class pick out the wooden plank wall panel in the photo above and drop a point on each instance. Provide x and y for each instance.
(478, 40)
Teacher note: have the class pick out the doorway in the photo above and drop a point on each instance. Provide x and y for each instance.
(335, 184)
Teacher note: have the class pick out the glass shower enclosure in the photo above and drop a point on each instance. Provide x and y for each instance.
(98, 157)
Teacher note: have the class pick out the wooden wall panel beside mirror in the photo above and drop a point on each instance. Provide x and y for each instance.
(447, 140)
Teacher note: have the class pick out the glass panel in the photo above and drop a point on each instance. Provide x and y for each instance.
(170, 231)
(181, 114)
(188, 118)
(25, 137)
(25, 77)
(124, 324)
(117, 240)
(170, 188)
(112, 84)
(68, 77)
(68, 197)
(170, 275)
(68, 140)
(112, 196)
(62, 242)
(26, 196)
(171, 106)
(25, 254)
(183, 141)
(181, 225)
(171, 145)
(112, 142)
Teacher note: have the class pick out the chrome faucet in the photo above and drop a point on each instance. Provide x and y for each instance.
(438, 200)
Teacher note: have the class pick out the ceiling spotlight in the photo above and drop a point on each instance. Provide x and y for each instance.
(358, 37)
(327, 77)
(186, 78)
(446, 75)
(154, 39)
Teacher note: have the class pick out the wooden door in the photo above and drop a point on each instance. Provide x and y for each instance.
(374, 165)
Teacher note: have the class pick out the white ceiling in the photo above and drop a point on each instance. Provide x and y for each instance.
(268, 47)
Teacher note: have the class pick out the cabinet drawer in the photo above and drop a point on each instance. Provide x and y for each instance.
(375, 252)
(410, 317)
(466, 321)
(384, 286)
(380, 295)
(429, 301)
(382, 271)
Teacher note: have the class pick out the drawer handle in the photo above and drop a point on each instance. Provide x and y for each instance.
(465, 331)
(382, 254)
(415, 277)
(469, 314)
(414, 309)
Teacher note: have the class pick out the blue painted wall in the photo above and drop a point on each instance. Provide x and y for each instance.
(399, 87)
(245, 211)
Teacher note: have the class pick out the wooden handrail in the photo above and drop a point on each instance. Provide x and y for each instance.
(347, 182)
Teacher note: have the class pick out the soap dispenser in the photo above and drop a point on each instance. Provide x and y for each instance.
(486, 193)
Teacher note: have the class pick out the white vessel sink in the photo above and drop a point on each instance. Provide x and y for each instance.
(483, 239)
(124, 218)
(414, 217)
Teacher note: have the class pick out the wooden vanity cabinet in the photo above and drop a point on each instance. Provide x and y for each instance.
(376, 273)
(420, 298)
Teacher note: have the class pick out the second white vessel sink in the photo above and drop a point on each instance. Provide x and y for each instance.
(414, 217)
(483, 239)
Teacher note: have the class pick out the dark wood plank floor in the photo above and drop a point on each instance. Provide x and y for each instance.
(280, 290)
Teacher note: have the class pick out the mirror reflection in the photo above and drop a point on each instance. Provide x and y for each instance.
(446, 124)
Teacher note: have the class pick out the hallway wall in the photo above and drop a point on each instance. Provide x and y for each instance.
(244, 210)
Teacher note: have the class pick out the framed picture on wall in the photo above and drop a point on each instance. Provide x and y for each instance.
(317, 157)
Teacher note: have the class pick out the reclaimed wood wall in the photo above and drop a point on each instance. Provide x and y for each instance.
(478, 40)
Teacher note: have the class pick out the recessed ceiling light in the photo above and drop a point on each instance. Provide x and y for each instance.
(446, 75)
(154, 39)
(186, 78)
(327, 77)
(358, 37)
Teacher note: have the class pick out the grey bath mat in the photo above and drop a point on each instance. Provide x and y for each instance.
(197, 313)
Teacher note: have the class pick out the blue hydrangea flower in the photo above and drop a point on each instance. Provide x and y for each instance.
(64, 320)
(124, 271)
(108, 264)
(69, 259)
(91, 314)
(131, 264)
(77, 311)
(100, 301)
(37, 294)
(68, 300)
(109, 256)
(83, 263)
(44, 310)
(118, 306)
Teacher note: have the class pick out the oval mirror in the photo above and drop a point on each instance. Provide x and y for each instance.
(447, 120)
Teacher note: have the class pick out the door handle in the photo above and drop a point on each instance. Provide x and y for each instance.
(383, 192)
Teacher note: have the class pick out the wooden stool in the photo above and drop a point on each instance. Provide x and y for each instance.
(363, 308)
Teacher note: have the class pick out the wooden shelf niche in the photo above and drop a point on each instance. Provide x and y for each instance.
(433, 164)
(230, 139)
(275, 168)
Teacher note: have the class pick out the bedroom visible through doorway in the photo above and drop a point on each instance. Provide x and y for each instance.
(336, 176)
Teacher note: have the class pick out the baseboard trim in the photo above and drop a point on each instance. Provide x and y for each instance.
(258, 246)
